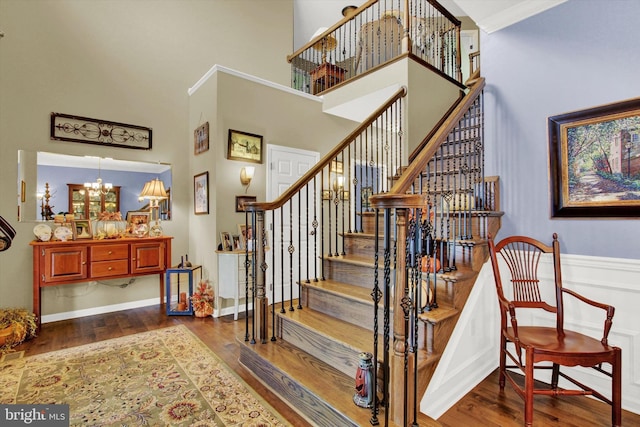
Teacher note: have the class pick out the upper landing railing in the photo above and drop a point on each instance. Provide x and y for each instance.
(376, 33)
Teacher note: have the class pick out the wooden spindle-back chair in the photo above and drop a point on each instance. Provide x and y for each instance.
(527, 346)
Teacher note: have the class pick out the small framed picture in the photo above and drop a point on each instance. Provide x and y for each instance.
(201, 193)
(241, 200)
(246, 236)
(225, 238)
(138, 222)
(237, 242)
(137, 217)
(82, 229)
(201, 139)
(244, 146)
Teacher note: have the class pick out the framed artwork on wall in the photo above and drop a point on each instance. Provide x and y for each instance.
(201, 193)
(241, 200)
(201, 139)
(594, 161)
(244, 146)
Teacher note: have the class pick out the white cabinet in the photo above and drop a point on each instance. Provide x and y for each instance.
(232, 277)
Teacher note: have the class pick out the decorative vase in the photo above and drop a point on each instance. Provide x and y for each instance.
(207, 310)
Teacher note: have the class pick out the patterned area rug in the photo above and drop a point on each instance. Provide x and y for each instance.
(158, 378)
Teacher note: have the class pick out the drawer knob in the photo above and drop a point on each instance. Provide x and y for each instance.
(110, 252)
(110, 268)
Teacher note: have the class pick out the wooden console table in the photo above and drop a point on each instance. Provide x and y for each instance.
(60, 263)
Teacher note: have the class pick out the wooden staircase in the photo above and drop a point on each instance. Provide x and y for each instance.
(313, 362)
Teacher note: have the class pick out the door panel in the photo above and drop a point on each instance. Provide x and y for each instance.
(290, 226)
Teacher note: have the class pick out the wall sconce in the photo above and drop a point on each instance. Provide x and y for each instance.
(246, 175)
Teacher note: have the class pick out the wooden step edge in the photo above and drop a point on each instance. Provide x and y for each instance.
(439, 314)
(344, 290)
(426, 359)
(352, 260)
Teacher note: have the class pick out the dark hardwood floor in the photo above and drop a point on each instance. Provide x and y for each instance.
(485, 405)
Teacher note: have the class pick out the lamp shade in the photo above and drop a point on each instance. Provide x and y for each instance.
(326, 43)
(153, 190)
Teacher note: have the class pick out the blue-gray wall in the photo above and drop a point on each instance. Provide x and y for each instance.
(580, 54)
(130, 183)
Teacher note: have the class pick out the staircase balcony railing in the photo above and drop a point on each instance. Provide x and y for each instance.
(376, 33)
(435, 212)
(310, 218)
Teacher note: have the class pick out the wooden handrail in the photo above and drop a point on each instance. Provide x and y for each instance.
(403, 184)
(329, 30)
(356, 12)
(326, 160)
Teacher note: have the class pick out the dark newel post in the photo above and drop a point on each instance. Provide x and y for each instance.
(261, 309)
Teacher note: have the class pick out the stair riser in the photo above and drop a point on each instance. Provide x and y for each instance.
(362, 246)
(355, 312)
(349, 273)
(341, 357)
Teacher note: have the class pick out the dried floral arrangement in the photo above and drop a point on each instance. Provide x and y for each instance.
(16, 326)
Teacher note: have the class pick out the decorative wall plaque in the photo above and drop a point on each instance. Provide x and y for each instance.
(65, 127)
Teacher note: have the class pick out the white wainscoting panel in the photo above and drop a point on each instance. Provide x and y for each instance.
(472, 352)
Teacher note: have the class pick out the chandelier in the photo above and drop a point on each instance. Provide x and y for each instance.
(98, 188)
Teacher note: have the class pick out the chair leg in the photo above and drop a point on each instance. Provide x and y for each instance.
(616, 392)
(528, 388)
(503, 361)
(555, 373)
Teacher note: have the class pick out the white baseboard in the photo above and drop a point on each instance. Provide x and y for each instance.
(99, 310)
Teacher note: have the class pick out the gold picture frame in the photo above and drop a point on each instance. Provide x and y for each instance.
(244, 146)
(82, 229)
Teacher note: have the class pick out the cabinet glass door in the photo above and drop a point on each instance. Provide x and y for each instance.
(77, 203)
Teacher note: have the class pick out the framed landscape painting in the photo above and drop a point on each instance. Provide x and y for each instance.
(594, 161)
(244, 146)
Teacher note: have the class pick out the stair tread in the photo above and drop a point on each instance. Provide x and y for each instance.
(349, 335)
(351, 259)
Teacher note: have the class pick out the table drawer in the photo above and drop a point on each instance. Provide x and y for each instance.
(109, 252)
(109, 268)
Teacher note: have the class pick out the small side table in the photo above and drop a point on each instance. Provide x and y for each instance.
(325, 76)
(179, 288)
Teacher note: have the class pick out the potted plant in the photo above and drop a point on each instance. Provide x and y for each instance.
(16, 325)
(202, 299)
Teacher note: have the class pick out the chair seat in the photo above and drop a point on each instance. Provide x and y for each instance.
(546, 340)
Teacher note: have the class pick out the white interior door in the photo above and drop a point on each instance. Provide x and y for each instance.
(289, 227)
(468, 44)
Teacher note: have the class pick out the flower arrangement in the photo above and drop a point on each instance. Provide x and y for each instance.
(16, 325)
(202, 299)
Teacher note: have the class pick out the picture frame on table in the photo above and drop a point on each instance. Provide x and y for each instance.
(138, 222)
(82, 229)
(225, 239)
(244, 146)
(594, 161)
(237, 242)
(201, 193)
